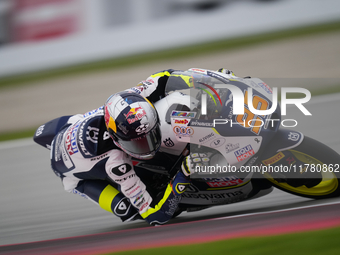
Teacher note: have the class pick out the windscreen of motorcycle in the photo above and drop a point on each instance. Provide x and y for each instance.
(208, 123)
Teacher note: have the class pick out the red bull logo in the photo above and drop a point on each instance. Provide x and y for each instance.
(135, 114)
(107, 116)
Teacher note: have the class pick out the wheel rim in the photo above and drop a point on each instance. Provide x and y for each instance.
(328, 184)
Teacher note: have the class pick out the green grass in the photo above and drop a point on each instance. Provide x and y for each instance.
(323, 242)
(174, 53)
(6, 136)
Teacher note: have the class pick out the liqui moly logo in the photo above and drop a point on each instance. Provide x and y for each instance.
(71, 140)
(244, 153)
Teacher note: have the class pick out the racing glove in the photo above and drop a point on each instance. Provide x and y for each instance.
(194, 161)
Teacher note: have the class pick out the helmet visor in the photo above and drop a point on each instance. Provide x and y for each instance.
(144, 147)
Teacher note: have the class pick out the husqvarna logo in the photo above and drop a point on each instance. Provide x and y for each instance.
(244, 153)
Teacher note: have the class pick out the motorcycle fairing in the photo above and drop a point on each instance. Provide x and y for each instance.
(284, 139)
(175, 102)
(45, 133)
(235, 141)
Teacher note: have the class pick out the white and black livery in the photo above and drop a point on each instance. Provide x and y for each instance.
(135, 174)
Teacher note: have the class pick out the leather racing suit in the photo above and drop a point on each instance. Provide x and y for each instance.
(89, 164)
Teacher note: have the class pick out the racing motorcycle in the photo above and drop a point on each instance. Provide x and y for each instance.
(235, 157)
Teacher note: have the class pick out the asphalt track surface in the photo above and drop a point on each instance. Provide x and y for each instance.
(35, 209)
(38, 217)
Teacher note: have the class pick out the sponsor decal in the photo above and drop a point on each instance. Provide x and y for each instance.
(40, 130)
(74, 191)
(173, 204)
(71, 139)
(149, 81)
(293, 136)
(125, 178)
(139, 197)
(121, 169)
(57, 147)
(192, 189)
(106, 135)
(135, 114)
(290, 160)
(251, 162)
(183, 114)
(201, 124)
(224, 182)
(123, 128)
(145, 84)
(137, 90)
(92, 134)
(107, 115)
(144, 206)
(217, 76)
(99, 157)
(181, 187)
(217, 142)
(273, 159)
(93, 111)
(181, 121)
(265, 87)
(198, 70)
(139, 204)
(142, 128)
(81, 141)
(244, 153)
(152, 167)
(168, 142)
(231, 147)
(131, 187)
(66, 159)
(133, 190)
(206, 138)
(123, 103)
(183, 131)
(213, 196)
(122, 208)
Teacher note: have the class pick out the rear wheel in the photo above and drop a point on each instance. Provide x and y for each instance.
(322, 164)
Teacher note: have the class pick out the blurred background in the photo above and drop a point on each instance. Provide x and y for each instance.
(62, 57)
(43, 43)
(42, 34)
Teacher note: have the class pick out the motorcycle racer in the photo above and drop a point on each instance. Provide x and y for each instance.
(92, 153)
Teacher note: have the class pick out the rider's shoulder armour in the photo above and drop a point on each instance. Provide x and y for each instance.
(92, 137)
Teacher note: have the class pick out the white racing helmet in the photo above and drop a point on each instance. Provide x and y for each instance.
(133, 124)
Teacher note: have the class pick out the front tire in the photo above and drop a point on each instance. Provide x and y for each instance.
(325, 163)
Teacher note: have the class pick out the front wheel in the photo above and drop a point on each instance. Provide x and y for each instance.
(322, 163)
